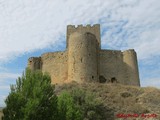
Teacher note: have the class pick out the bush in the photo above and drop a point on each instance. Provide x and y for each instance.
(66, 107)
(90, 107)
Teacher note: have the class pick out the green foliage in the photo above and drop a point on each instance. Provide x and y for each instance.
(79, 104)
(67, 109)
(90, 107)
(32, 98)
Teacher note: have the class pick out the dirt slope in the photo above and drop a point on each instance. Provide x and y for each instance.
(134, 103)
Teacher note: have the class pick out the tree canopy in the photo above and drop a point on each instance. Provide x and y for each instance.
(32, 98)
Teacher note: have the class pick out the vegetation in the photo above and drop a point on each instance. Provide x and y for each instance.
(80, 105)
(115, 98)
(89, 106)
(66, 107)
(34, 98)
(31, 98)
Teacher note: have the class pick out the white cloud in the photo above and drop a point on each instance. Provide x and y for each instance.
(151, 82)
(29, 25)
(6, 75)
(6, 87)
(6, 79)
(148, 45)
(3, 68)
(136, 25)
(2, 98)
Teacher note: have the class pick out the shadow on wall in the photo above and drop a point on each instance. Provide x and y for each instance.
(102, 79)
(131, 77)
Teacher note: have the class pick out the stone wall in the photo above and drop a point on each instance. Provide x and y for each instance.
(120, 65)
(112, 65)
(56, 65)
(131, 64)
(83, 57)
(84, 60)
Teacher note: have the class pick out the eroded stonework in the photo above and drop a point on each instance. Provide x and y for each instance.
(84, 60)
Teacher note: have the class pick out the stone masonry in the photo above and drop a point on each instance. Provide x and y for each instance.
(84, 60)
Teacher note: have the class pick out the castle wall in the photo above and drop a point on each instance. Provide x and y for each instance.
(56, 65)
(83, 57)
(130, 59)
(84, 60)
(121, 65)
(112, 65)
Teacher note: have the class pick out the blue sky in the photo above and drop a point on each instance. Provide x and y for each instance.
(32, 27)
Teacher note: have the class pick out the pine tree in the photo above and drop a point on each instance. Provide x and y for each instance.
(32, 98)
(67, 109)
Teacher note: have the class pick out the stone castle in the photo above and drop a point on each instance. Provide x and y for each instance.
(84, 60)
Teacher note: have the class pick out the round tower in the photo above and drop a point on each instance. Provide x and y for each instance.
(130, 61)
(82, 57)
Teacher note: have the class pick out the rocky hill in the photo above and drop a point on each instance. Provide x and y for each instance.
(122, 101)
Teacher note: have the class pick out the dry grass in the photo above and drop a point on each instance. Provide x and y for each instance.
(119, 98)
(122, 98)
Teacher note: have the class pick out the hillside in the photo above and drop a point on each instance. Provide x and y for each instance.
(130, 102)
(135, 102)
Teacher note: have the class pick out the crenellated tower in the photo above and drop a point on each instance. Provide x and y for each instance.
(95, 30)
(83, 45)
(84, 60)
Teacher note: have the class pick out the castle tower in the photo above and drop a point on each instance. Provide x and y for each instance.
(83, 46)
(84, 60)
(34, 63)
(95, 29)
(130, 59)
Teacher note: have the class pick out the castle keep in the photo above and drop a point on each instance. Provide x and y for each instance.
(84, 60)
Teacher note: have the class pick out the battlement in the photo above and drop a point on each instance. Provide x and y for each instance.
(34, 63)
(95, 29)
(73, 27)
(84, 60)
(34, 58)
(129, 51)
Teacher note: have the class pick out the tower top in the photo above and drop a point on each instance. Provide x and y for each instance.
(95, 29)
(88, 26)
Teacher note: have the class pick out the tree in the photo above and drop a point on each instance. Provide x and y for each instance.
(66, 107)
(32, 98)
(79, 104)
(89, 107)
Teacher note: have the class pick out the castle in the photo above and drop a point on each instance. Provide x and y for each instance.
(84, 60)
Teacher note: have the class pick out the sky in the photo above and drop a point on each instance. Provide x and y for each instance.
(32, 27)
